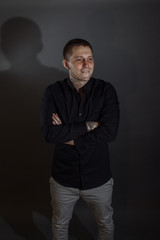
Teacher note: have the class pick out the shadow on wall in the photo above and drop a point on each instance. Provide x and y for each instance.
(25, 158)
(43, 224)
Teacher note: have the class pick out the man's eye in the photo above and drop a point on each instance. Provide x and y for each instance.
(79, 59)
(90, 59)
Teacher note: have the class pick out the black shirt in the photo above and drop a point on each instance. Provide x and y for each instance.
(85, 165)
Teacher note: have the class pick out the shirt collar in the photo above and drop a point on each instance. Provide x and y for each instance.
(86, 87)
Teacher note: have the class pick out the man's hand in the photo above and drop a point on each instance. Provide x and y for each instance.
(91, 125)
(70, 143)
(57, 121)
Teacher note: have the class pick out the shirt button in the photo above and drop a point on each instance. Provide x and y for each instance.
(80, 114)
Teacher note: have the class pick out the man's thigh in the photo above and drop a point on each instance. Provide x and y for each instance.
(63, 200)
(99, 200)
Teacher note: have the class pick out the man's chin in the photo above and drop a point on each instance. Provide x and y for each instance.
(86, 78)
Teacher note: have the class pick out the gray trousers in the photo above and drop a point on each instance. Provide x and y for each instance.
(98, 199)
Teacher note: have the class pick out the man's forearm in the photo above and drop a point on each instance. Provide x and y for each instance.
(57, 121)
(91, 125)
(57, 132)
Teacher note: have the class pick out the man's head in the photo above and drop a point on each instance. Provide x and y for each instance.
(78, 59)
(76, 42)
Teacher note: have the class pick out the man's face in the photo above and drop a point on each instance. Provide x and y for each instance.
(80, 64)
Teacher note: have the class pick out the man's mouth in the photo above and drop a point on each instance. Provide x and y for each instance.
(85, 71)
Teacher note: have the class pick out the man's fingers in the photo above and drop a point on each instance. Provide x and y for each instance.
(56, 119)
(70, 143)
(55, 122)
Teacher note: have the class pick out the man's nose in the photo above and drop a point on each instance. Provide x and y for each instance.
(85, 63)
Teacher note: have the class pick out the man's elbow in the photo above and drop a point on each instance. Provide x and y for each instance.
(113, 134)
(47, 136)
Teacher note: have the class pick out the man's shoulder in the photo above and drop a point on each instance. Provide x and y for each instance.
(105, 90)
(54, 87)
(102, 83)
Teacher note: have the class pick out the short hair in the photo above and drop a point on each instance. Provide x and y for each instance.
(67, 50)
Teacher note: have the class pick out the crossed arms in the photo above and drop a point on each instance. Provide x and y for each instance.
(57, 121)
(81, 134)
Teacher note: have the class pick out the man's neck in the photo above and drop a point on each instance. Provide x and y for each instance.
(77, 83)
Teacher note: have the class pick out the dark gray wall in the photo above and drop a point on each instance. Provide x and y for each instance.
(125, 36)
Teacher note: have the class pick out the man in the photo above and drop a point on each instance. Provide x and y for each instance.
(80, 116)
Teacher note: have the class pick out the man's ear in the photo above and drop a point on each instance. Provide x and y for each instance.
(65, 64)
